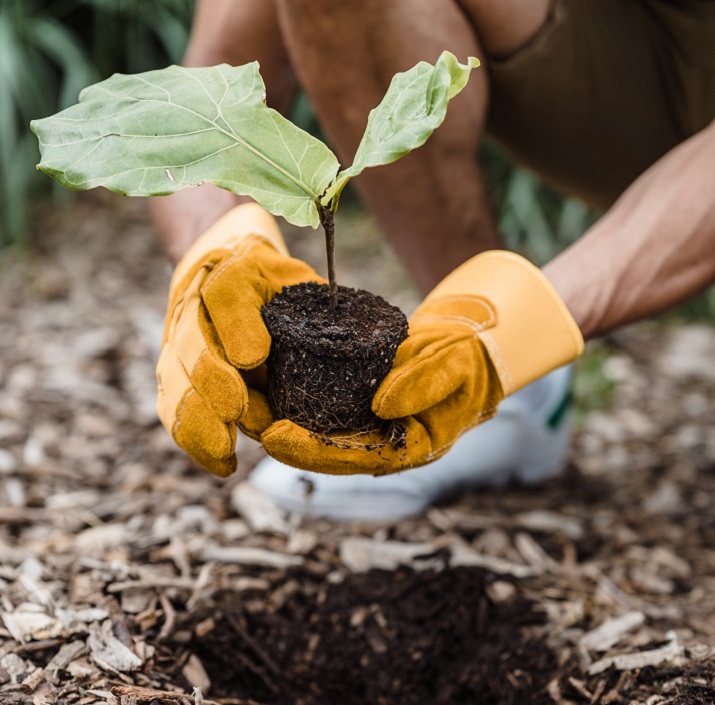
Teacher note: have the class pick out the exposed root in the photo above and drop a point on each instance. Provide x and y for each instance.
(387, 434)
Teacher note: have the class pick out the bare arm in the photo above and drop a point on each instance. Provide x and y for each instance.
(233, 32)
(653, 249)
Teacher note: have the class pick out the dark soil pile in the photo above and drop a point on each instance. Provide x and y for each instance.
(383, 637)
(325, 366)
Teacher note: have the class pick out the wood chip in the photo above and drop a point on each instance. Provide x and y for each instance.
(109, 653)
(15, 666)
(248, 555)
(44, 695)
(501, 592)
(67, 653)
(640, 659)
(302, 541)
(463, 555)
(611, 631)
(361, 554)
(77, 620)
(152, 583)
(25, 625)
(533, 554)
(539, 520)
(33, 680)
(451, 519)
(146, 696)
(261, 513)
(195, 673)
(100, 538)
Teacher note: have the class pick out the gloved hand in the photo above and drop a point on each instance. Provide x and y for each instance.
(214, 337)
(489, 328)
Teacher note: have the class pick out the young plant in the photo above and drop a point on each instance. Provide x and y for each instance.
(154, 133)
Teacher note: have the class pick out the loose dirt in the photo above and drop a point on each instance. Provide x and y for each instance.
(129, 576)
(385, 636)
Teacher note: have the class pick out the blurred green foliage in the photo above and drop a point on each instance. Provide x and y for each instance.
(49, 51)
(534, 220)
(592, 387)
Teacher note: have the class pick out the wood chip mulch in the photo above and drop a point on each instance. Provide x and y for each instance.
(130, 577)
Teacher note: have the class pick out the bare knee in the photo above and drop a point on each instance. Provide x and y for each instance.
(232, 32)
(505, 26)
(346, 53)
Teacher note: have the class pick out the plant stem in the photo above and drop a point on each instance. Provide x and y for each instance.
(328, 223)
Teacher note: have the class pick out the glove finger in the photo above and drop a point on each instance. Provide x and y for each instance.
(190, 421)
(427, 370)
(208, 440)
(173, 384)
(237, 289)
(199, 350)
(258, 415)
(346, 453)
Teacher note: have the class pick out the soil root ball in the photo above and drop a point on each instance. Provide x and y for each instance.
(325, 366)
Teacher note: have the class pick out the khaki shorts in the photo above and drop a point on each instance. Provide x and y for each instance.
(605, 89)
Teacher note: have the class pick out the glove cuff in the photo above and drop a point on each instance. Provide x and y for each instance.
(534, 332)
(240, 222)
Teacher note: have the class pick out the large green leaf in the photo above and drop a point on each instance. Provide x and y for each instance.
(413, 107)
(153, 133)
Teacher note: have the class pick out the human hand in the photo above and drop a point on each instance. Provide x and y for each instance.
(491, 327)
(215, 341)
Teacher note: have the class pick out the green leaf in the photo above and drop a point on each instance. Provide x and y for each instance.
(153, 133)
(413, 107)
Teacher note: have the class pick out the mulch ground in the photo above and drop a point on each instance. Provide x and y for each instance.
(130, 577)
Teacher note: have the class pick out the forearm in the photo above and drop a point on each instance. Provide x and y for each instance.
(653, 249)
(233, 32)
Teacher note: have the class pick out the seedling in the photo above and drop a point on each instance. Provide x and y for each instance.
(153, 133)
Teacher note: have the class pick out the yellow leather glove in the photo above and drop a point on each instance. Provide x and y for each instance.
(489, 328)
(214, 335)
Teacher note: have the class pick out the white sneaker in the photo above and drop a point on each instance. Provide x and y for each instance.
(528, 441)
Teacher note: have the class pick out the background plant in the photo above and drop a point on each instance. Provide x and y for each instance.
(156, 132)
(49, 51)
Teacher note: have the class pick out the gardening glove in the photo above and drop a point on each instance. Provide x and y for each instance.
(491, 327)
(215, 341)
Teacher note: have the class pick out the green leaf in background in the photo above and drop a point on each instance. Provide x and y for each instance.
(414, 106)
(153, 133)
(57, 42)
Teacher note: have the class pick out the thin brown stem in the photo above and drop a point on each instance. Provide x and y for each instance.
(328, 223)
